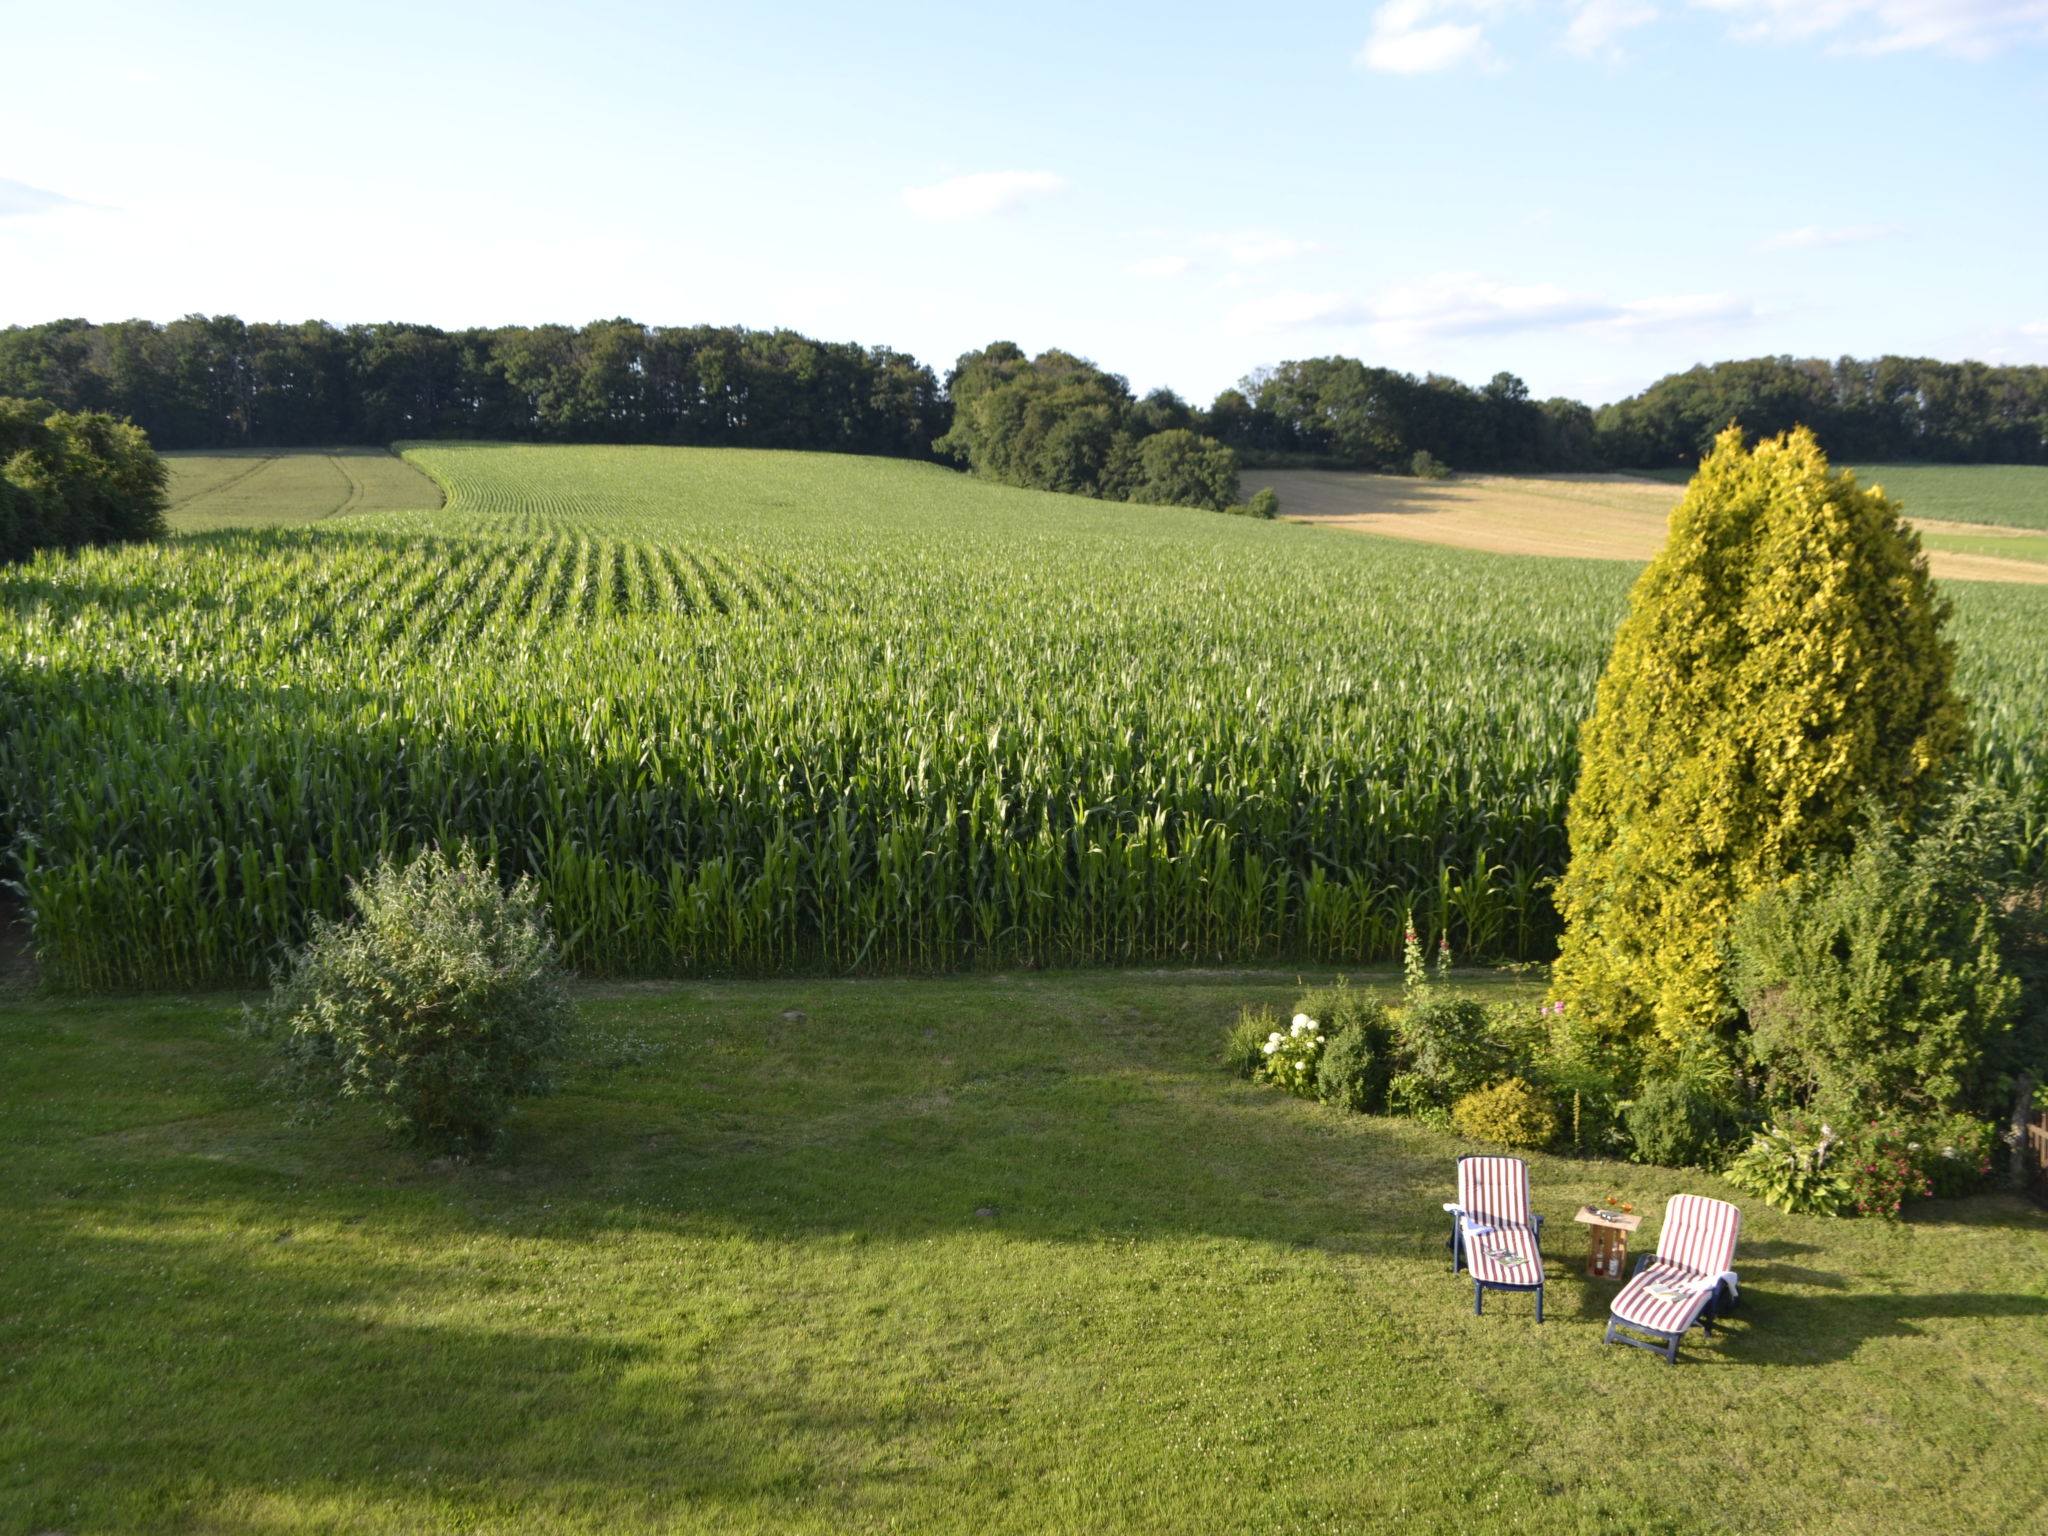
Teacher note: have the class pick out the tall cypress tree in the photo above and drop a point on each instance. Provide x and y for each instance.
(1782, 666)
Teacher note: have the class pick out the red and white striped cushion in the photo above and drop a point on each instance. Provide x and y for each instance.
(1696, 1246)
(1494, 1190)
(1515, 1237)
(1699, 1234)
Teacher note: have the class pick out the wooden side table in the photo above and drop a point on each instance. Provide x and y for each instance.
(1607, 1233)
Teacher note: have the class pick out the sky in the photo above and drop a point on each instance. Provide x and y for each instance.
(1587, 193)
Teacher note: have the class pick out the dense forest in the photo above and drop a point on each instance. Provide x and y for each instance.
(1056, 421)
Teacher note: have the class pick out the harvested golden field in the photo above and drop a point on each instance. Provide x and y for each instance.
(1582, 517)
(261, 487)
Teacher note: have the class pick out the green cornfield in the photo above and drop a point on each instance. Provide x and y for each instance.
(753, 712)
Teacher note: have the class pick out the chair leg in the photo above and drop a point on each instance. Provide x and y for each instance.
(1478, 1294)
(1539, 1303)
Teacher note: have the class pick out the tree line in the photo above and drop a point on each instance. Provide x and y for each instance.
(220, 382)
(1859, 410)
(1056, 421)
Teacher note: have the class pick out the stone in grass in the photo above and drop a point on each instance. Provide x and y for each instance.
(795, 1016)
(985, 1212)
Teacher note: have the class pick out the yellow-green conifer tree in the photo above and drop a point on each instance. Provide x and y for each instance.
(1782, 662)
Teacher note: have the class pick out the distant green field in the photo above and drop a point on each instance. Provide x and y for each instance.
(263, 487)
(2023, 546)
(2010, 495)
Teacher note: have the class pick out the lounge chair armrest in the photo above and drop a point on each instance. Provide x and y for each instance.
(1538, 1220)
(1642, 1262)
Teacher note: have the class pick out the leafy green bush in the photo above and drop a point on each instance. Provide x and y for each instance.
(1874, 985)
(440, 1004)
(1358, 1055)
(73, 478)
(1264, 503)
(1794, 1167)
(1510, 1114)
(1181, 469)
(1679, 1125)
(1244, 1046)
(1354, 1072)
(1410, 1093)
(1427, 466)
(1588, 1103)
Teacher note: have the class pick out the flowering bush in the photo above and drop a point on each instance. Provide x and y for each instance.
(1879, 1171)
(1794, 1167)
(1292, 1054)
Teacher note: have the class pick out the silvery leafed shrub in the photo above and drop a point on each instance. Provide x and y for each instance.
(440, 1003)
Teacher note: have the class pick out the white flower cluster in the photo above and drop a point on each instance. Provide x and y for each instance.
(1301, 1037)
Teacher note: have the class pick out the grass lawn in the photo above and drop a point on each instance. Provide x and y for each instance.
(981, 1255)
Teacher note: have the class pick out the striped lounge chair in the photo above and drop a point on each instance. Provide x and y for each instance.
(1492, 1232)
(1689, 1279)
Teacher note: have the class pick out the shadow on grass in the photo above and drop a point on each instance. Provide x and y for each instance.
(1775, 1329)
(351, 1388)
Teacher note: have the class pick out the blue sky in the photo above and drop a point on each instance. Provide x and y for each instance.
(1590, 193)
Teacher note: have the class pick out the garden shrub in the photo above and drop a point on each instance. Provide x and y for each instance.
(1874, 984)
(1244, 1046)
(1782, 660)
(1509, 1114)
(1354, 1070)
(441, 1004)
(1679, 1125)
(1876, 1164)
(1341, 1007)
(1449, 1041)
(1955, 1153)
(1264, 503)
(1795, 1166)
(1588, 1101)
(1411, 1093)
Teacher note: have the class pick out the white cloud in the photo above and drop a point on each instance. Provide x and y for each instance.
(18, 200)
(1597, 23)
(1461, 304)
(1406, 40)
(1971, 29)
(1159, 266)
(2038, 329)
(1293, 311)
(985, 192)
(1812, 237)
